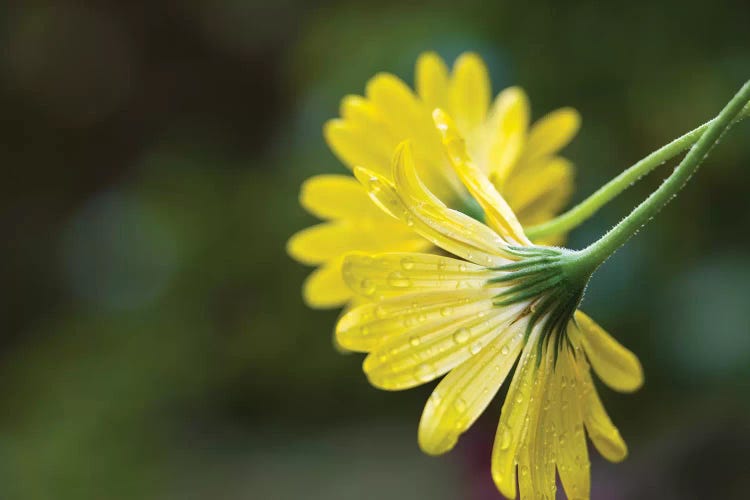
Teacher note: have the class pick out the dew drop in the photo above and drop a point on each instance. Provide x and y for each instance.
(460, 405)
(380, 312)
(505, 350)
(414, 340)
(364, 330)
(504, 436)
(462, 267)
(398, 280)
(525, 470)
(446, 311)
(424, 372)
(475, 347)
(367, 287)
(461, 336)
(375, 186)
(407, 263)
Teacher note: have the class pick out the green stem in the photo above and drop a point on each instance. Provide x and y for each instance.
(588, 207)
(596, 253)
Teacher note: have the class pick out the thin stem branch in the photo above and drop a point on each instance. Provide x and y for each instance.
(588, 207)
(596, 253)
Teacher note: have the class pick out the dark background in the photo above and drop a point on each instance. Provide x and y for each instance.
(154, 344)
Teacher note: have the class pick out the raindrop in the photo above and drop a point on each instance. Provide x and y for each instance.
(424, 372)
(475, 347)
(367, 287)
(407, 263)
(461, 336)
(504, 437)
(375, 186)
(460, 405)
(505, 350)
(398, 280)
(414, 340)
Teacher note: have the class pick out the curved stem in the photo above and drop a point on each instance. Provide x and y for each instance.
(588, 207)
(596, 253)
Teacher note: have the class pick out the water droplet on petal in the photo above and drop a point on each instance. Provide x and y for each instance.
(460, 405)
(446, 311)
(374, 185)
(461, 336)
(505, 350)
(475, 347)
(397, 280)
(407, 263)
(503, 437)
(414, 340)
(424, 372)
(367, 287)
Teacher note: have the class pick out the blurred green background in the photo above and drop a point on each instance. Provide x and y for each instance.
(154, 342)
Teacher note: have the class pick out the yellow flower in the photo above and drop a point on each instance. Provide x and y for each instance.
(472, 316)
(520, 160)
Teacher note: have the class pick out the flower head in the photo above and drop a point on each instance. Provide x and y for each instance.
(495, 300)
(520, 161)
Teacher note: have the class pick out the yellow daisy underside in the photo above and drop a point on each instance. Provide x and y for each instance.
(521, 162)
(431, 315)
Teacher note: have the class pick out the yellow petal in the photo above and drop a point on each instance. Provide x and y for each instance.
(369, 325)
(322, 242)
(499, 215)
(537, 190)
(572, 454)
(506, 133)
(422, 353)
(510, 428)
(618, 367)
(453, 231)
(336, 197)
(470, 92)
(552, 133)
(391, 274)
(432, 80)
(426, 206)
(353, 145)
(462, 396)
(325, 288)
(536, 474)
(409, 118)
(601, 430)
